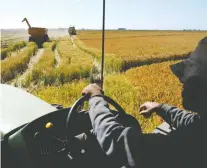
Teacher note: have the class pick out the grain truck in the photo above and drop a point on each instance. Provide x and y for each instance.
(37, 34)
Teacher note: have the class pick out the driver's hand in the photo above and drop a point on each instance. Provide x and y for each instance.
(148, 108)
(92, 90)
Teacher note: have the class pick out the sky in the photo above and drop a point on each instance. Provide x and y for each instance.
(130, 14)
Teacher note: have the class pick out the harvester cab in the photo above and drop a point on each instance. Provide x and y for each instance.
(37, 34)
(35, 133)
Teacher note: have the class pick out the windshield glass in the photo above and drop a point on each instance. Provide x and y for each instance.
(56, 51)
(18, 107)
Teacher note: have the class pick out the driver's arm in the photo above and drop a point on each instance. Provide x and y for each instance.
(176, 117)
(121, 144)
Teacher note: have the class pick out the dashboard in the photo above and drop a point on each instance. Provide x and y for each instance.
(40, 140)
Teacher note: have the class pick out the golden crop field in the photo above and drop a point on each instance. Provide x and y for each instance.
(13, 66)
(43, 71)
(75, 64)
(72, 64)
(136, 68)
(6, 52)
(129, 89)
(144, 47)
(111, 34)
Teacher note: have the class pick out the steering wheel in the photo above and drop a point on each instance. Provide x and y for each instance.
(72, 116)
(120, 114)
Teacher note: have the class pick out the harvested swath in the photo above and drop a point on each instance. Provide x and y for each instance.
(13, 66)
(75, 64)
(43, 72)
(51, 45)
(20, 80)
(71, 55)
(112, 63)
(5, 52)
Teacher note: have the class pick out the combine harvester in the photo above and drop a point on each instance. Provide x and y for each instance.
(37, 34)
(72, 30)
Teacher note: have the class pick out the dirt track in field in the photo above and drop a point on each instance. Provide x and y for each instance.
(34, 60)
(13, 54)
(96, 70)
(72, 40)
(57, 57)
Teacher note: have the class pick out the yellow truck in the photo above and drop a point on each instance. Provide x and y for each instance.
(37, 34)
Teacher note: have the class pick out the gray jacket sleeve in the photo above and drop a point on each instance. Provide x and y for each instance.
(120, 144)
(176, 117)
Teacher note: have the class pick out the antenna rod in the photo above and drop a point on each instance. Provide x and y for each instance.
(103, 40)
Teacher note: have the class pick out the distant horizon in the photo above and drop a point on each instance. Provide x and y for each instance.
(112, 29)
